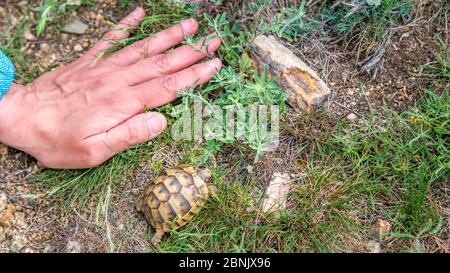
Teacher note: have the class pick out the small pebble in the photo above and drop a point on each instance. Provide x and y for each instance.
(374, 247)
(19, 220)
(351, 117)
(73, 247)
(6, 218)
(45, 47)
(75, 27)
(28, 35)
(3, 201)
(78, 48)
(381, 228)
(18, 242)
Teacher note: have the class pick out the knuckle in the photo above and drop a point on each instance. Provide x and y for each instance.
(127, 22)
(198, 70)
(161, 62)
(170, 83)
(135, 135)
(60, 80)
(109, 36)
(141, 47)
(176, 32)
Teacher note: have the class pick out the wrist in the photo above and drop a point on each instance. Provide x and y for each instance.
(9, 109)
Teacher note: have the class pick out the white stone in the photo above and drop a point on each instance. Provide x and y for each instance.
(75, 27)
(275, 198)
(73, 247)
(28, 35)
(374, 247)
(3, 201)
(351, 117)
(18, 242)
(19, 220)
(78, 48)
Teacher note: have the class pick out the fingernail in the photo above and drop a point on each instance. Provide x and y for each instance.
(156, 123)
(214, 63)
(188, 24)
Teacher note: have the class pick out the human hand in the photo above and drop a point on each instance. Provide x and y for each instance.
(82, 114)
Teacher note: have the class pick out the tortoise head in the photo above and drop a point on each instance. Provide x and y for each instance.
(204, 174)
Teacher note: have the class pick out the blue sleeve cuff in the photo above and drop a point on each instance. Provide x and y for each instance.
(6, 74)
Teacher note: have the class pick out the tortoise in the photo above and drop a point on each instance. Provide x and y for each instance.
(175, 198)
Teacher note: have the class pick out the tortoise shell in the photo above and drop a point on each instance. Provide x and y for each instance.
(174, 198)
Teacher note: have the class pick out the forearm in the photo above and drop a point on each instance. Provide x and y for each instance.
(5, 106)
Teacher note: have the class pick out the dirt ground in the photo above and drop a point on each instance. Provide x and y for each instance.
(37, 224)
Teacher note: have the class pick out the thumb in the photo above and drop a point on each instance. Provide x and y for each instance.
(138, 129)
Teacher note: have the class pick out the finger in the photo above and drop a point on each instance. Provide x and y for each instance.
(165, 64)
(163, 90)
(137, 130)
(119, 32)
(156, 44)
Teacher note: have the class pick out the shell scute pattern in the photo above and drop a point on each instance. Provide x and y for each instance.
(168, 213)
(174, 198)
(173, 184)
(180, 203)
(161, 192)
(153, 201)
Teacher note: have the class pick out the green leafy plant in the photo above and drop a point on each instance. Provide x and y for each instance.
(291, 23)
(365, 16)
(226, 31)
(240, 84)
